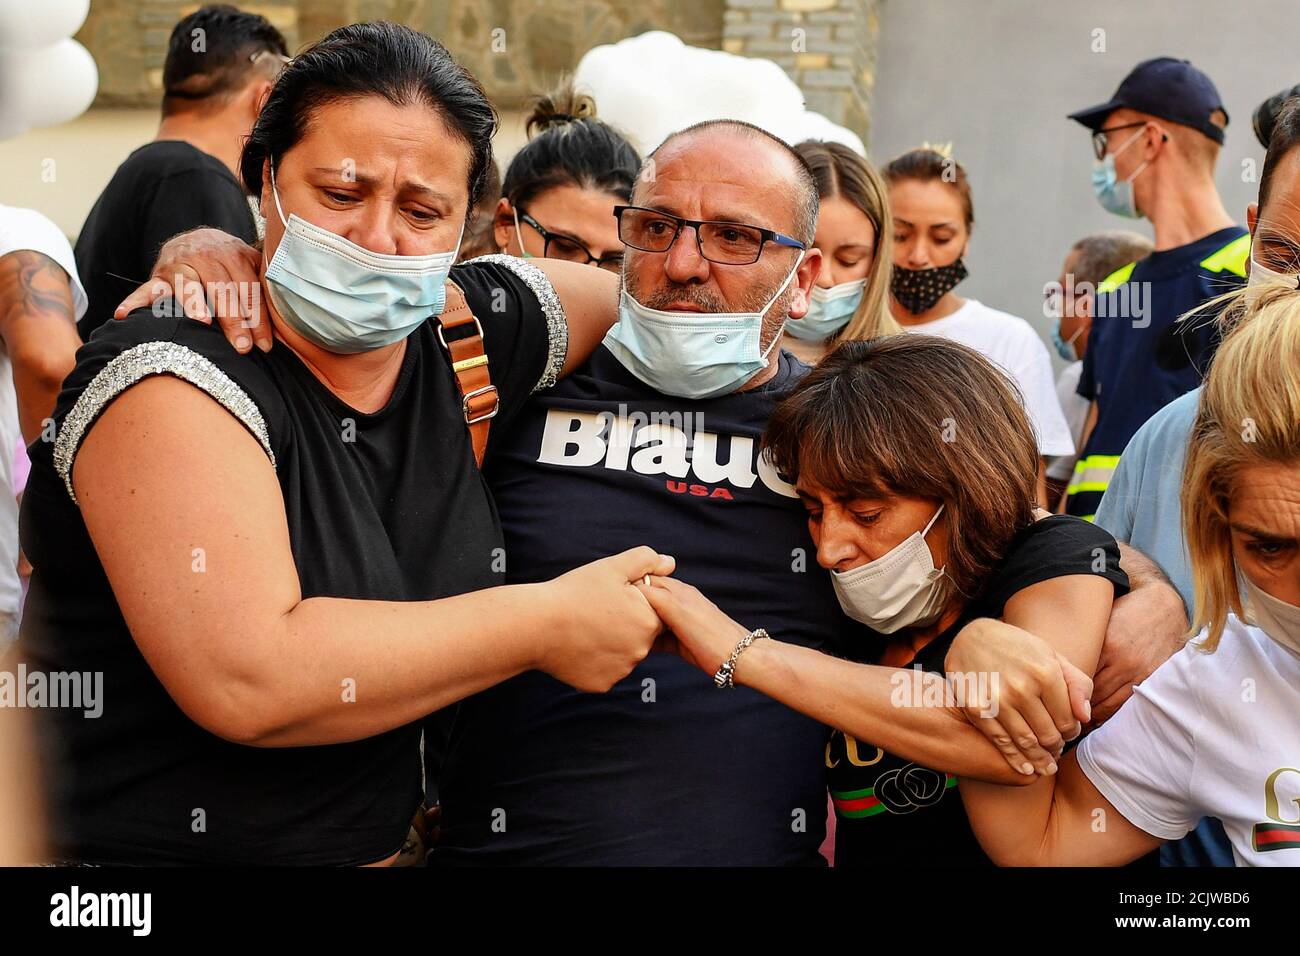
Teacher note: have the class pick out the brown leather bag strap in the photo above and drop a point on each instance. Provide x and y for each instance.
(469, 363)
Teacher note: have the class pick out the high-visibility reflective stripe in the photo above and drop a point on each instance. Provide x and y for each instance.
(1116, 278)
(1092, 473)
(1231, 258)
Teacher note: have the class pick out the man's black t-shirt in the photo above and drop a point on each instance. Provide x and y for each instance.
(163, 188)
(666, 768)
(386, 506)
(890, 810)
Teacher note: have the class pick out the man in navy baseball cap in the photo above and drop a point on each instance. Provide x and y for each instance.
(1167, 88)
(1172, 121)
(1156, 143)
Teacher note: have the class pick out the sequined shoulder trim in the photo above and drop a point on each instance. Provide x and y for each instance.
(557, 324)
(141, 361)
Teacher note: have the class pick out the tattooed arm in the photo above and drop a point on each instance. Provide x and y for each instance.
(39, 329)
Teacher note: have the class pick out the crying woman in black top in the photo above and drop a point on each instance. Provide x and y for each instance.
(281, 561)
(917, 466)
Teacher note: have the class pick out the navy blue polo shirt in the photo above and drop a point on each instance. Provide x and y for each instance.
(1140, 356)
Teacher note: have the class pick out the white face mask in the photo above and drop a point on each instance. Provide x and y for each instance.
(1261, 275)
(900, 589)
(1275, 617)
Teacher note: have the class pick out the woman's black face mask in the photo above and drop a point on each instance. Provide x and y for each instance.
(917, 290)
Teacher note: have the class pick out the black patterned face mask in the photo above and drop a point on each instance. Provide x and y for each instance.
(917, 290)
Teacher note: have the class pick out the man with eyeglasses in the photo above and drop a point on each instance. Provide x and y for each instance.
(1156, 142)
(220, 66)
(657, 438)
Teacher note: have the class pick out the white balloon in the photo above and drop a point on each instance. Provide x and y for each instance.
(22, 27)
(651, 85)
(47, 86)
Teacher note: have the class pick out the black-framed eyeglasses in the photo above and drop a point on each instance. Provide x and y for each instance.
(556, 246)
(1099, 137)
(730, 243)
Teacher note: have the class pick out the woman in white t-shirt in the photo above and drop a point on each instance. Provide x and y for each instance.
(1216, 730)
(930, 199)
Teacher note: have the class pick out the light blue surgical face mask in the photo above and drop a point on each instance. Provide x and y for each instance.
(829, 310)
(1064, 346)
(346, 298)
(1116, 196)
(692, 354)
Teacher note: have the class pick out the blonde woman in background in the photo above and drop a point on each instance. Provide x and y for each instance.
(1216, 730)
(851, 298)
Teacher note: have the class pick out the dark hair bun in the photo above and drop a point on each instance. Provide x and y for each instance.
(569, 145)
(561, 106)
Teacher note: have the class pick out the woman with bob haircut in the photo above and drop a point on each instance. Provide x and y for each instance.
(1214, 731)
(851, 297)
(281, 559)
(916, 462)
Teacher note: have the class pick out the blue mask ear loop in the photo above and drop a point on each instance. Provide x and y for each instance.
(784, 285)
(1132, 139)
(519, 234)
(275, 193)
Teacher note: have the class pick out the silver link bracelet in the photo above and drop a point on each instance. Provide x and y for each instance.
(726, 675)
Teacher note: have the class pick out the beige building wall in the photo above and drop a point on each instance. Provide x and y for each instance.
(515, 47)
(61, 170)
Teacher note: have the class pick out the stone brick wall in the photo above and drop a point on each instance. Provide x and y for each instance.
(128, 39)
(828, 47)
(517, 47)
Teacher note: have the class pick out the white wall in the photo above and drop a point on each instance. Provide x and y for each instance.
(997, 77)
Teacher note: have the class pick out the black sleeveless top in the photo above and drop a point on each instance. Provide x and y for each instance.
(383, 506)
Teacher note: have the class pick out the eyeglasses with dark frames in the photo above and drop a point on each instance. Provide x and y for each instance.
(1099, 137)
(729, 243)
(556, 246)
